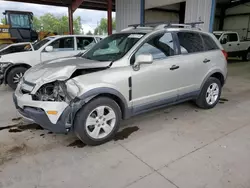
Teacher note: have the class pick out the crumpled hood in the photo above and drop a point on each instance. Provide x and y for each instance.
(60, 69)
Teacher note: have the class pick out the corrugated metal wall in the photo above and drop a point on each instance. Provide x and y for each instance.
(161, 16)
(127, 12)
(199, 10)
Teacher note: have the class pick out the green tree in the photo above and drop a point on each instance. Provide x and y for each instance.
(103, 26)
(51, 23)
(3, 21)
(89, 33)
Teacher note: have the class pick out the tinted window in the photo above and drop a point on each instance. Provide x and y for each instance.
(209, 43)
(63, 44)
(232, 37)
(84, 43)
(190, 42)
(40, 43)
(160, 46)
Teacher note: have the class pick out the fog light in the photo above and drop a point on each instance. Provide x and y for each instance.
(52, 112)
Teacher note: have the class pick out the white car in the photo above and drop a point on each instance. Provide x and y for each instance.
(232, 44)
(14, 65)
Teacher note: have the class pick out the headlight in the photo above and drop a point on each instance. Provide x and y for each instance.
(3, 66)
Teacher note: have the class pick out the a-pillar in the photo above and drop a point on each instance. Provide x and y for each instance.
(109, 17)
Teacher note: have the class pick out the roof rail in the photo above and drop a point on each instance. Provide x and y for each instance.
(162, 25)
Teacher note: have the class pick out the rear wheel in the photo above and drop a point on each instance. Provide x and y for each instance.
(246, 56)
(98, 121)
(15, 75)
(210, 94)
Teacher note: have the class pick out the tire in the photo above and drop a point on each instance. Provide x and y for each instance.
(17, 71)
(87, 132)
(246, 56)
(202, 100)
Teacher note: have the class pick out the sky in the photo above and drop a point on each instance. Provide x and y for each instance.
(89, 18)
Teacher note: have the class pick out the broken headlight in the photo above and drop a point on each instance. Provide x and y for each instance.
(3, 66)
(55, 91)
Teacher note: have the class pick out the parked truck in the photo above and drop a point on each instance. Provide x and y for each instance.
(233, 45)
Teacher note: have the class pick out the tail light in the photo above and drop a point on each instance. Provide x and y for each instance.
(225, 54)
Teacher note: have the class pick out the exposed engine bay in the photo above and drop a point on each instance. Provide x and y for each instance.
(55, 91)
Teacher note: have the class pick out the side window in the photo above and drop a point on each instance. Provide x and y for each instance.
(232, 37)
(190, 42)
(209, 43)
(160, 46)
(84, 43)
(63, 44)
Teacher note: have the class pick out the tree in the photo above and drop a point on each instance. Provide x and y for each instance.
(3, 21)
(102, 28)
(89, 33)
(51, 23)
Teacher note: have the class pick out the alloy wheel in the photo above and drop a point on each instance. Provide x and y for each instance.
(100, 122)
(212, 93)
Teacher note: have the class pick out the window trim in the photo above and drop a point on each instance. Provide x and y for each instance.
(149, 38)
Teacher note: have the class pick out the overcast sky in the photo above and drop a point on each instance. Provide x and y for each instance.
(88, 17)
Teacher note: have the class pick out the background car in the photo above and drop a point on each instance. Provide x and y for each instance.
(14, 65)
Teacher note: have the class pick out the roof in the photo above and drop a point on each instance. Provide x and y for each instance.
(87, 4)
(59, 36)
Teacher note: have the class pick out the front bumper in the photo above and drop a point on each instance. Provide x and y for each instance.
(37, 111)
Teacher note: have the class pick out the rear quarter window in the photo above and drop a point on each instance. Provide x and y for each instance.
(209, 43)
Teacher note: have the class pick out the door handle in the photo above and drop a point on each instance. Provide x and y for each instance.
(174, 67)
(206, 60)
(238, 44)
(230, 45)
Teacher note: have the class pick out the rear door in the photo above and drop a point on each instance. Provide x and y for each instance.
(62, 47)
(191, 63)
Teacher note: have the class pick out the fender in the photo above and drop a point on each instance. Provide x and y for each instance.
(209, 75)
(77, 103)
(6, 72)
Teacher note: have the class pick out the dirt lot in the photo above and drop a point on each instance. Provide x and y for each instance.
(181, 146)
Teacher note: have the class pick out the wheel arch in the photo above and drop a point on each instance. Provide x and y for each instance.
(215, 74)
(14, 66)
(110, 93)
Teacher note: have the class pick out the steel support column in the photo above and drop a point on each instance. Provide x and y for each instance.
(109, 17)
(71, 9)
(142, 15)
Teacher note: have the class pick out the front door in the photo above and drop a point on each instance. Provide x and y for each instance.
(62, 47)
(232, 44)
(155, 84)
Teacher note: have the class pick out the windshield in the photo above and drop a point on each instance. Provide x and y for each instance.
(113, 47)
(217, 35)
(40, 43)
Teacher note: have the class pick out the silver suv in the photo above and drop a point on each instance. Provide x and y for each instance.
(127, 73)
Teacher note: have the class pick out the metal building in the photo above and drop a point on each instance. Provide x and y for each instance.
(140, 11)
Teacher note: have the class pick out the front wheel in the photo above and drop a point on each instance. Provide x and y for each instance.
(98, 121)
(15, 75)
(210, 94)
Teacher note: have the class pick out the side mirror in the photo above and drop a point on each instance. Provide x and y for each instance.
(223, 41)
(142, 59)
(49, 48)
